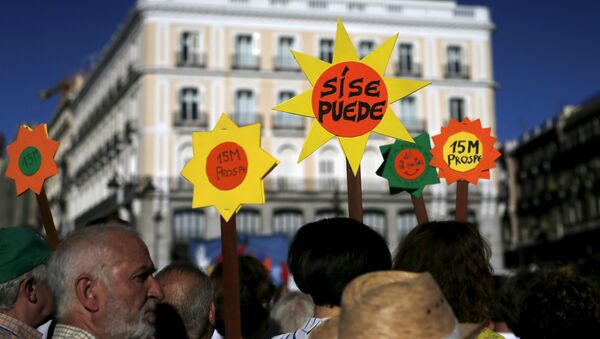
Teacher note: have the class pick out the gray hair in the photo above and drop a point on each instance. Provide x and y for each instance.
(86, 250)
(192, 295)
(9, 290)
(292, 310)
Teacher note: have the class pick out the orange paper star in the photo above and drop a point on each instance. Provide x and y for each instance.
(464, 150)
(31, 159)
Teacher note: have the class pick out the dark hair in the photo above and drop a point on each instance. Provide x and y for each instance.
(509, 298)
(459, 260)
(189, 293)
(559, 305)
(256, 294)
(326, 255)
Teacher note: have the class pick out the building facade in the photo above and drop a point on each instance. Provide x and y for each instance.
(553, 189)
(174, 66)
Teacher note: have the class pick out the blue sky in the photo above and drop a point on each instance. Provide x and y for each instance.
(545, 53)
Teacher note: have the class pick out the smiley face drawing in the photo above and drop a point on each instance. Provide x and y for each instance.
(409, 164)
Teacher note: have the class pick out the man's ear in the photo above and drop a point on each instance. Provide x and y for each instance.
(211, 314)
(85, 290)
(28, 288)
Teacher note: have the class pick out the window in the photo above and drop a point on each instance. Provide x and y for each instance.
(375, 220)
(326, 50)
(408, 112)
(406, 222)
(287, 221)
(287, 120)
(457, 108)
(188, 101)
(284, 59)
(365, 47)
(244, 107)
(326, 214)
(188, 225)
(248, 222)
(405, 59)
(454, 67)
(189, 53)
(245, 57)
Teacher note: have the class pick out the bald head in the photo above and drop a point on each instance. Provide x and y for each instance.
(190, 293)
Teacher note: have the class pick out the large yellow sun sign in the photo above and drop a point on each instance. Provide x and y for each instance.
(350, 98)
(228, 167)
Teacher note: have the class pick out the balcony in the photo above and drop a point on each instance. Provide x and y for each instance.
(408, 69)
(191, 59)
(413, 125)
(189, 120)
(244, 118)
(456, 71)
(286, 124)
(285, 63)
(245, 62)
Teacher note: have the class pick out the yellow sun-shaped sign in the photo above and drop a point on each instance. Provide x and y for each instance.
(350, 98)
(228, 167)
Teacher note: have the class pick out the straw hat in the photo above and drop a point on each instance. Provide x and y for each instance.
(394, 304)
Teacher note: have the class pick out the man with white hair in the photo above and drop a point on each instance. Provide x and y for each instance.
(101, 279)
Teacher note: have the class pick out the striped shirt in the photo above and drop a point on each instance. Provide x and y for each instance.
(11, 328)
(304, 331)
(70, 332)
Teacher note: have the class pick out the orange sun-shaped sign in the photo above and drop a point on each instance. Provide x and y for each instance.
(350, 98)
(464, 150)
(31, 159)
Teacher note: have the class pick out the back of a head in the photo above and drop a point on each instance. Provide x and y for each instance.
(190, 293)
(256, 293)
(90, 250)
(458, 258)
(559, 305)
(326, 255)
(291, 311)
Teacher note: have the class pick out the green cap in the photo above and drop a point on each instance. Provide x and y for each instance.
(21, 250)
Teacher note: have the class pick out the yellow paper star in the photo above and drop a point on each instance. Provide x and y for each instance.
(228, 167)
(350, 98)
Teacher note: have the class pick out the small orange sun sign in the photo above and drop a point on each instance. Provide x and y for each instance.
(464, 150)
(31, 159)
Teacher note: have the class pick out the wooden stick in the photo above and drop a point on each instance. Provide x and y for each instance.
(355, 207)
(47, 220)
(420, 209)
(462, 198)
(231, 279)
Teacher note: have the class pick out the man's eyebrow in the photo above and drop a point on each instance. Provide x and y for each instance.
(144, 270)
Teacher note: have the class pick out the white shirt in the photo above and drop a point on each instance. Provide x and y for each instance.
(304, 331)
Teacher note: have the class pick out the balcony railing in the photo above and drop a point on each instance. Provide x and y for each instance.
(189, 120)
(413, 125)
(285, 63)
(245, 61)
(191, 59)
(456, 71)
(408, 70)
(283, 122)
(243, 118)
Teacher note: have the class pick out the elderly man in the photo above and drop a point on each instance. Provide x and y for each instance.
(188, 302)
(102, 282)
(25, 300)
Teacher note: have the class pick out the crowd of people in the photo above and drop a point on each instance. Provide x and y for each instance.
(101, 283)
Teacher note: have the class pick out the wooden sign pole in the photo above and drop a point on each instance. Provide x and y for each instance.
(47, 220)
(231, 278)
(420, 209)
(355, 206)
(462, 198)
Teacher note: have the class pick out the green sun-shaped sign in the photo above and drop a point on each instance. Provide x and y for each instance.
(406, 165)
